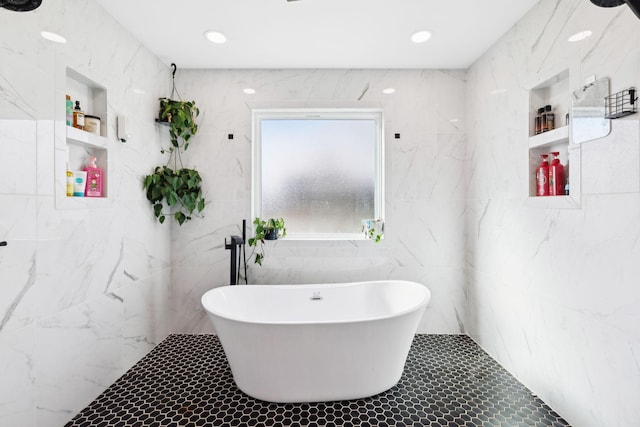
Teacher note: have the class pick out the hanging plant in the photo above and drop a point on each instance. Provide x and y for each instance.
(176, 191)
(180, 116)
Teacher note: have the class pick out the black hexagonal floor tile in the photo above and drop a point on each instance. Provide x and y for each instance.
(448, 381)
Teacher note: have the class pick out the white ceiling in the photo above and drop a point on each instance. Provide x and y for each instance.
(318, 33)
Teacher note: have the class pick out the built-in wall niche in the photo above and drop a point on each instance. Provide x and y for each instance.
(556, 92)
(92, 97)
(75, 146)
(82, 145)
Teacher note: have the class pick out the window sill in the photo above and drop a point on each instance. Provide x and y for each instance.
(324, 237)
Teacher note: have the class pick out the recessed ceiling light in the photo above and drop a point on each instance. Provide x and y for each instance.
(580, 36)
(498, 91)
(249, 91)
(138, 91)
(420, 36)
(389, 91)
(215, 37)
(57, 38)
(454, 120)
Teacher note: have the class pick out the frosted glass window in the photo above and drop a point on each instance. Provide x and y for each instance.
(319, 170)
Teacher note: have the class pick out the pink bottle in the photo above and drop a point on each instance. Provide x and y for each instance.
(94, 179)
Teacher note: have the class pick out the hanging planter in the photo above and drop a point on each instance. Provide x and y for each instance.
(176, 191)
(180, 116)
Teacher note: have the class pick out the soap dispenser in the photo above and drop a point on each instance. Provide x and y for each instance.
(94, 179)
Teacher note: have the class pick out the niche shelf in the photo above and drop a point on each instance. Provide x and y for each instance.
(554, 91)
(75, 146)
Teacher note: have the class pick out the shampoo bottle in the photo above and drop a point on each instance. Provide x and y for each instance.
(69, 181)
(542, 177)
(556, 176)
(94, 179)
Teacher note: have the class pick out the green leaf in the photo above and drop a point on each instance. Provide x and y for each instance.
(157, 209)
(161, 219)
(201, 205)
(156, 193)
(175, 183)
(172, 198)
(179, 216)
(189, 203)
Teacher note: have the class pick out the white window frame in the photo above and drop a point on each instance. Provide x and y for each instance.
(317, 113)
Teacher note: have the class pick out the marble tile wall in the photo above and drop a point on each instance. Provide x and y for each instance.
(424, 186)
(84, 293)
(553, 293)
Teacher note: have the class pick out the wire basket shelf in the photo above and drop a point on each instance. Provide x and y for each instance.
(620, 104)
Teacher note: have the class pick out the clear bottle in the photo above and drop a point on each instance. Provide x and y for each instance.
(78, 117)
(543, 125)
(549, 118)
(538, 121)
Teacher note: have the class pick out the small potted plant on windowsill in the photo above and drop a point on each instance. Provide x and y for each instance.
(271, 229)
(373, 229)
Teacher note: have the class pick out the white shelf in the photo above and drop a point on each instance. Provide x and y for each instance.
(83, 137)
(553, 202)
(553, 137)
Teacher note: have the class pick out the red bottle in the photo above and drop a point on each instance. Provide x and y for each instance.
(542, 177)
(556, 176)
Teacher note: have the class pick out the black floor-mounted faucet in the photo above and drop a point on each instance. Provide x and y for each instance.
(237, 248)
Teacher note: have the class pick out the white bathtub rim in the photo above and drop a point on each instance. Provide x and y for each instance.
(417, 306)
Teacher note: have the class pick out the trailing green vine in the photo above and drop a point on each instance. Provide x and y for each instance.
(271, 229)
(176, 191)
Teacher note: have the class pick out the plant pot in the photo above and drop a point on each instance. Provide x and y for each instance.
(271, 234)
(163, 106)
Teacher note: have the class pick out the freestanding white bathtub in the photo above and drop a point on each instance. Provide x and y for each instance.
(315, 343)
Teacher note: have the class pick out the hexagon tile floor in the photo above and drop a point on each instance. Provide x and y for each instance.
(448, 381)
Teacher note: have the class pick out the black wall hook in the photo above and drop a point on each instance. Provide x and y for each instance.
(174, 91)
(3, 243)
